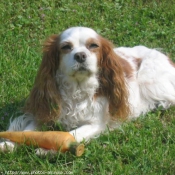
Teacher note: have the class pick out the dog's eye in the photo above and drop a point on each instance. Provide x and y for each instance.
(93, 46)
(66, 47)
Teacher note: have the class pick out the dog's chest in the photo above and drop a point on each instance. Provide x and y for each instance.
(77, 109)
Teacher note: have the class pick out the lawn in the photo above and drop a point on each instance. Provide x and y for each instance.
(142, 147)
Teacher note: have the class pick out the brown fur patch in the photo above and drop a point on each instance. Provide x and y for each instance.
(92, 41)
(112, 81)
(138, 62)
(44, 98)
(171, 62)
(128, 71)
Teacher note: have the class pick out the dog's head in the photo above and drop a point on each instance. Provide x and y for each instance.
(78, 53)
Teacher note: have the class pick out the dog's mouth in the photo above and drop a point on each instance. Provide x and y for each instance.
(81, 72)
(81, 68)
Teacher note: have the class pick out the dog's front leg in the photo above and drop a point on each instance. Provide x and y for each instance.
(86, 132)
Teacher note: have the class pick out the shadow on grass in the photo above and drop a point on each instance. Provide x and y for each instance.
(14, 109)
(8, 111)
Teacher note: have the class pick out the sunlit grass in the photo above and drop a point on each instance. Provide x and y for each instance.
(144, 146)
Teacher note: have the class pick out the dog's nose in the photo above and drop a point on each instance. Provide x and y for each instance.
(80, 57)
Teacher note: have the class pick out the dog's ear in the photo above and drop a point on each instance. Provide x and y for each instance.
(44, 99)
(112, 81)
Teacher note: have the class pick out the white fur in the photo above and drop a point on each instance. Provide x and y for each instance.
(153, 84)
(85, 116)
(78, 38)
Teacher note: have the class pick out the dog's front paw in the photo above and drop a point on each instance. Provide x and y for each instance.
(7, 146)
(45, 152)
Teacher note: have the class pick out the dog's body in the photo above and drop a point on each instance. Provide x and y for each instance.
(86, 85)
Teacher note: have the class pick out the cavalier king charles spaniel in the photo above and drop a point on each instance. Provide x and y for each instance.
(87, 85)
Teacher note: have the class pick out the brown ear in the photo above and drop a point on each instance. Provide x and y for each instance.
(112, 82)
(44, 99)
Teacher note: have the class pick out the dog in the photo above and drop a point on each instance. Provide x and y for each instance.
(87, 85)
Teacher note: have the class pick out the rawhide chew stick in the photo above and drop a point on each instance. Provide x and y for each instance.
(55, 140)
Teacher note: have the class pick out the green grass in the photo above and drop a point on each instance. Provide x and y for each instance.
(145, 146)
